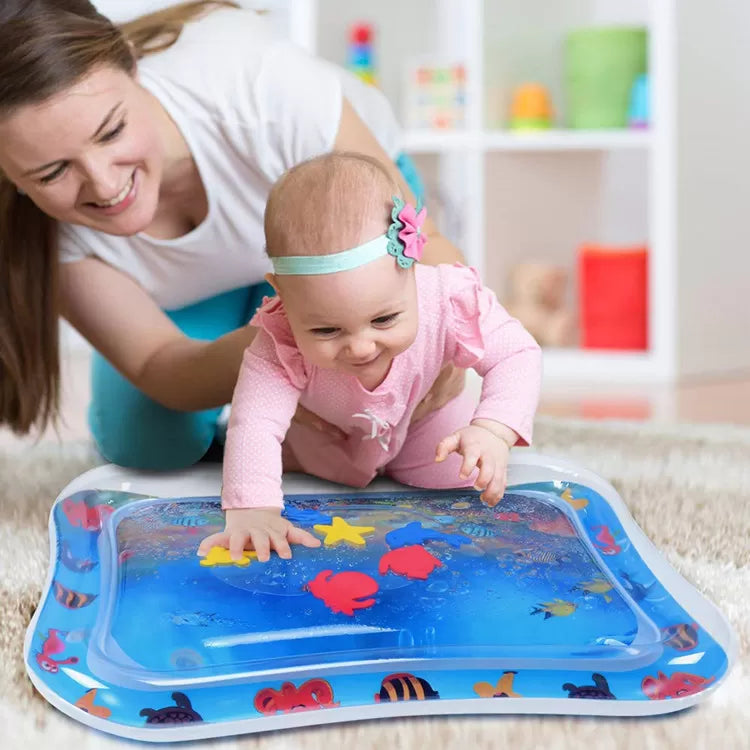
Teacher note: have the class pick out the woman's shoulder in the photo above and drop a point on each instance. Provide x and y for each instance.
(223, 47)
(274, 102)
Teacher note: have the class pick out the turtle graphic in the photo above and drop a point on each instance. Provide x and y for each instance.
(181, 713)
(599, 690)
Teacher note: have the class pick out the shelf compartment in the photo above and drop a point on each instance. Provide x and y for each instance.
(566, 140)
(599, 365)
(436, 141)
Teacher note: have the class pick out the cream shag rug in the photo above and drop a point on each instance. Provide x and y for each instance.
(688, 487)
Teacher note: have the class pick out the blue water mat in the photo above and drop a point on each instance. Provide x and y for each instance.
(417, 602)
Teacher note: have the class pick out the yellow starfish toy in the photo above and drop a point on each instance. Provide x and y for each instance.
(341, 531)
(577, 503)
(221, 556)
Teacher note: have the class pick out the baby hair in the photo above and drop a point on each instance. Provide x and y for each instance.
(328, 204)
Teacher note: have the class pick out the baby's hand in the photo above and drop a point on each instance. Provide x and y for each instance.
(484, 444)
(265, 528)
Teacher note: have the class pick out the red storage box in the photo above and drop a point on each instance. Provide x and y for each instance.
(613, 297)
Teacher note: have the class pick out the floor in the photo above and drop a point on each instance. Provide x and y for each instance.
(727, 401)
(718, 401)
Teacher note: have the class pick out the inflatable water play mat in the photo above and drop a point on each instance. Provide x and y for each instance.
(417, 602)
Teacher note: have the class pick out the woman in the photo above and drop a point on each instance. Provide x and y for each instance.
(134, 167)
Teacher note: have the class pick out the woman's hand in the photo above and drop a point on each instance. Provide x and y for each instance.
(264, 528)
(484, 444)
(448, 385)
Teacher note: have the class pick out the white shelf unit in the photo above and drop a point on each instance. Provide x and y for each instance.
(431, 141)
(460, 29)
(677, 188)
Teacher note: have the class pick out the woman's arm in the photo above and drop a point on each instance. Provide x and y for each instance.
(121, 321)
(354, 135)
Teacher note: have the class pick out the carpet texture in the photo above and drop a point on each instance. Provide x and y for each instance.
(688, 487)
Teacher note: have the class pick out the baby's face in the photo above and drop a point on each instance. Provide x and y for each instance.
(355, 321)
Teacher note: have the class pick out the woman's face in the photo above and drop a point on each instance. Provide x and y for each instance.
(91, 155)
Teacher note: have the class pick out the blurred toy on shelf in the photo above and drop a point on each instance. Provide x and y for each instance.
(601, 64)
(531, 108)
(435, 95)
(613, 297)
(639, 107)
(536, 297)
(360, 55)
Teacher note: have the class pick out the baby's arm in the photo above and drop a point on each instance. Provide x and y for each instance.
(263, 404)
(504, 353)
(511, 371)
(485, 337)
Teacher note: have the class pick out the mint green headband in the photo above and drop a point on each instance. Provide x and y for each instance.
(313, 265)
(403, 240)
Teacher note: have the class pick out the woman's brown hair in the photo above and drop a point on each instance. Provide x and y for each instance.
(46, 46)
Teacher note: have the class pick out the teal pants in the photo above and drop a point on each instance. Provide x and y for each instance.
(132, 430)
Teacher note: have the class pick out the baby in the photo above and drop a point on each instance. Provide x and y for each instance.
(357, 334)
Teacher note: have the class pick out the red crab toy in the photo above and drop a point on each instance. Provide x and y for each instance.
(413, 562)
(343, 592)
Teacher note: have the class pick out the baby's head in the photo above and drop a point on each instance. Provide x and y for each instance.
(328, 204)
(350, 302)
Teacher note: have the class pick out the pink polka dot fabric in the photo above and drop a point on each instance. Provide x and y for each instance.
(460, 321)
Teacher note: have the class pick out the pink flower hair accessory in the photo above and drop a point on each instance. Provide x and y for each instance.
(405, 236)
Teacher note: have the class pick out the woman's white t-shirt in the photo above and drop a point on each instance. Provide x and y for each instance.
(250, 106)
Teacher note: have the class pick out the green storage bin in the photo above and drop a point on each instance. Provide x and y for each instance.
(601, 65)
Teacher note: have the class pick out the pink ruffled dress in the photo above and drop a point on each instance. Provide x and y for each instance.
(460, 321)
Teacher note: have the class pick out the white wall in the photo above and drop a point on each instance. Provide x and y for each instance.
(713, 126)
